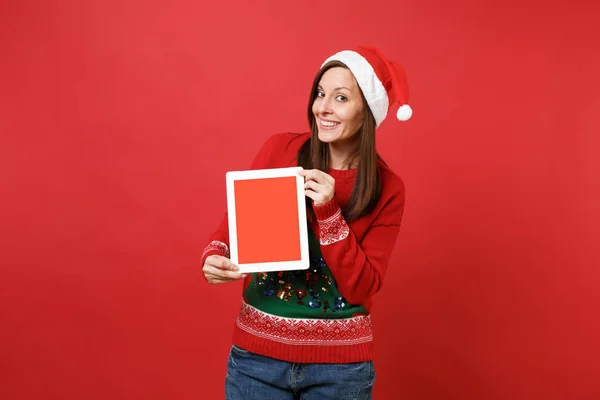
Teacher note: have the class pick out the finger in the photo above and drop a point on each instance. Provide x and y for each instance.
(321, 177)
(325, 191)
(222, 274)
(318, 176)
(311, 174)
(233, 275)
(218, 279)
(310, 194)
(214, 279)
(329, 179)
(313, 185)
(217, 273)
(222, 263)
(228, 265)
(317, 198)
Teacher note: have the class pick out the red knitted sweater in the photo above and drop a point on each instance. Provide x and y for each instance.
(353, 258)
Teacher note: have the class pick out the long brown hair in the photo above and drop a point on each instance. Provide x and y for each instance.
(314, 154)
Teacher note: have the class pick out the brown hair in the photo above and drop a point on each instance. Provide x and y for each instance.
(314, 154)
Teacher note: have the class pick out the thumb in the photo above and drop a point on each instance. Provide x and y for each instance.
(227, 264)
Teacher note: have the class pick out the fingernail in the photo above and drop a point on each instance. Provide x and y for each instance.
(244, 275)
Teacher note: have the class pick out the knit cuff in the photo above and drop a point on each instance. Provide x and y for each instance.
(327, 210)
(332, 224)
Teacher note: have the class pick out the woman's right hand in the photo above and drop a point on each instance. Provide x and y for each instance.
(219, 269)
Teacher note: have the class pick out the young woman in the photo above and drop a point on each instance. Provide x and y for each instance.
(307, 334)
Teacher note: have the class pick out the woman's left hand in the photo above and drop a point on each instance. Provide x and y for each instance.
(318, 185)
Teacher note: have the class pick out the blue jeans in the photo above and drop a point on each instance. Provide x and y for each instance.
(252, 376)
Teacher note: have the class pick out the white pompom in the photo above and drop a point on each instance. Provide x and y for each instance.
(404, 113)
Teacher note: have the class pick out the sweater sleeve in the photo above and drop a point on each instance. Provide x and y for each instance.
(359, 268)
(218, 242)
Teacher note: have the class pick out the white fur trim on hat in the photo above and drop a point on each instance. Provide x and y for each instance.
(367, 79)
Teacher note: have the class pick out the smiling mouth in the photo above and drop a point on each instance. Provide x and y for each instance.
(328, 124)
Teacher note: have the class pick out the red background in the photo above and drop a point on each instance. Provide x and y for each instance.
(119, 119)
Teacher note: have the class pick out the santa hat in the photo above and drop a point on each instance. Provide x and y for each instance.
(382, 82)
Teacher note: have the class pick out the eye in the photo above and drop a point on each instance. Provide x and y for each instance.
(320, 94)
(341, 97)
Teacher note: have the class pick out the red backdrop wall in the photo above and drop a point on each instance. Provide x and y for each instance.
(119, 119)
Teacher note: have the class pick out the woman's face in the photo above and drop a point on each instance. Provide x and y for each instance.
(338, 106)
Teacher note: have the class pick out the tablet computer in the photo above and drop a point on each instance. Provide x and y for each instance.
(267, 220)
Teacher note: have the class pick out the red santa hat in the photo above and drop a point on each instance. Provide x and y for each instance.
(382, 82)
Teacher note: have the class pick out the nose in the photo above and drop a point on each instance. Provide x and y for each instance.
(324, 105)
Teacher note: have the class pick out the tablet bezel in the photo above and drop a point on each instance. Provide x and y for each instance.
(304, 261)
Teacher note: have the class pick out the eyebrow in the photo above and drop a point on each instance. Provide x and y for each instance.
(337, 88)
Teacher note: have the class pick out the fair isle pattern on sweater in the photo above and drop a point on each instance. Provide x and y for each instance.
(297, 331)
(333, 229)
(217, 246)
